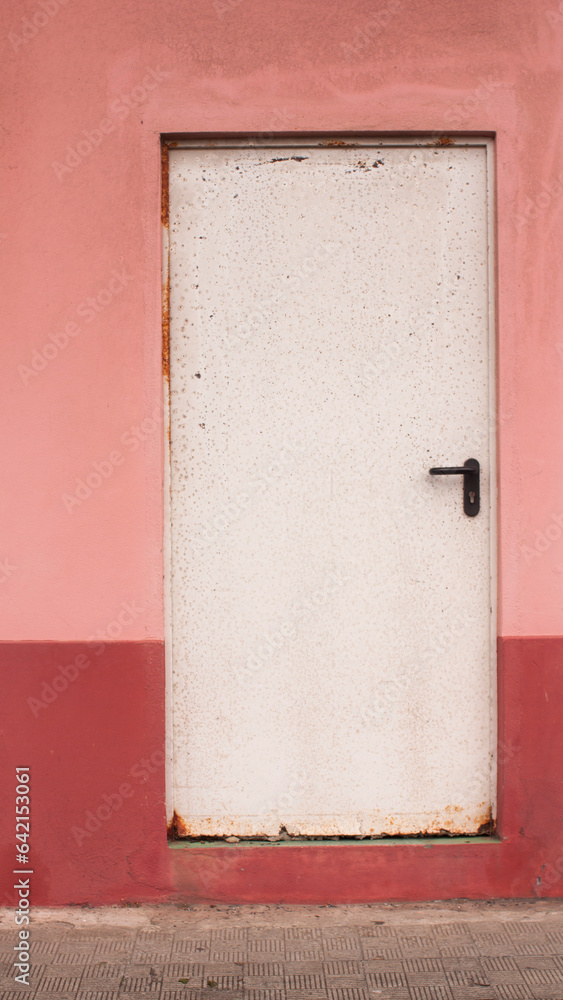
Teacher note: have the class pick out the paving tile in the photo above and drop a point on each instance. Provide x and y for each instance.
(109, 982)
(401, 993)
(426, 979)
(303, 954)
(304, 981)
(183, 993)
(264, 993)
(230, 934)
(473, 993)
(176, 969)
(417, 945)
(138, 984)
(260, 946)
(302, 933)
(256, 969)
(119, 948)
(96, 994)
(222, 982)
(199, 949)
(546, 992)
(228, 953)
(512, 992)
(340, 948)
(539, 976)
(44, 948)
(423, 965)
(536, 962)
(460, 962)
(458, 950)
(155, 937)
(343, 967)
(430, 992)
(348, 993)
(58, 984)
(389, 980)
(383, 965)
(16, 994)
(494, 944)
(376, 930)
(467, 977)
(380, 949)
(508, 977)
(500, 962)
(373, 961)
(214, 969)
(540, 947)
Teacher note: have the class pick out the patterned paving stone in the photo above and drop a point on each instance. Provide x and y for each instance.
(230, 934)
(430, 992)
(467, 977)
(423, 946)
(500, 963)
(460, 962)
(457, 950)
(348, 993)
(511, 992)
(97, 995)
(101, 968)
(400, 993)
(477, 960)
(540, 976)
(380, 949)
(472, 993)
(304, 954)
(183, 993)
(16, 994)
(546, 992)
(264, 970)
(54, 985)
(387, 979)
(423, 965)
(264, 993)
(196, 949)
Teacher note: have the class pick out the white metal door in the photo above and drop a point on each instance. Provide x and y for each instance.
(331, 602)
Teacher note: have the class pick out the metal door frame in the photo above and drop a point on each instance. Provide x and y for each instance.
(328, 140)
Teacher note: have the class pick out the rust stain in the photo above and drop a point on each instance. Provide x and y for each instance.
(164, 175)
(177, 828)
(338, 142)
(166, 332)
(442, 140)
(489, 827)
(165, 210)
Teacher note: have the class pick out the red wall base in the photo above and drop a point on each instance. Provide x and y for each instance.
(89, 721)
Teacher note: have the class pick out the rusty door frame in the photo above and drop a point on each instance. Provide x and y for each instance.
(326, 139)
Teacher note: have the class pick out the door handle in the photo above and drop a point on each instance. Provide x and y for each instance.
(470, 471)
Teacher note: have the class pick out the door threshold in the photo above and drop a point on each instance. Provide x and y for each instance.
(334, 842)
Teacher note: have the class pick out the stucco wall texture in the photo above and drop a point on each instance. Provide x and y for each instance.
(92, 88)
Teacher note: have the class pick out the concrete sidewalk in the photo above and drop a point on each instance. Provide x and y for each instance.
(455, 951)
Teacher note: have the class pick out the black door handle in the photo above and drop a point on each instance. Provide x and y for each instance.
(470, 471)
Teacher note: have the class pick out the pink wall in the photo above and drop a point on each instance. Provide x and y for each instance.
(93, 87)
(67, 234)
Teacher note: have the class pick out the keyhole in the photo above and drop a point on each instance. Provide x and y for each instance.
(471, 496)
